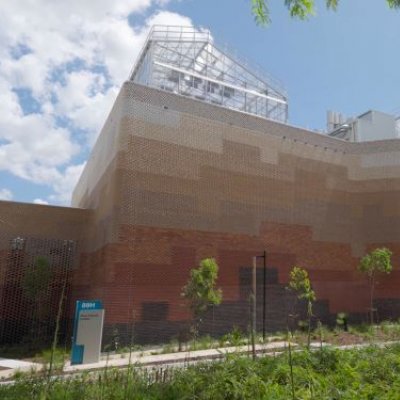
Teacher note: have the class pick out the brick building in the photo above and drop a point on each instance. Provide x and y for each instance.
(173, 179)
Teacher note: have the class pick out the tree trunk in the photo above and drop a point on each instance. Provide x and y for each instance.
(291, 366)
(371, 298)
(309, 312)
(57, 327)
(253, 328)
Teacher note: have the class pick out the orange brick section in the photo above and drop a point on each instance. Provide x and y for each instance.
(125, 282)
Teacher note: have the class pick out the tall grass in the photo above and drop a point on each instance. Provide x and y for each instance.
(370, 373)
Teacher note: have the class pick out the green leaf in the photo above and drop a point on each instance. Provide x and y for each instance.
(301, 9)
(37, 278)
(379, 260)
(200, 290)
(260, 11)
(332, 4)
(393, 3)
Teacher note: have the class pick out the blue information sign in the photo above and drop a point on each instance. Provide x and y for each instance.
(88, 331)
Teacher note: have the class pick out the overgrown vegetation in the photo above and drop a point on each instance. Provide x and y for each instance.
(35, 284)
(365, 334)
(342, 321)
(377, 262)
(371, 373)
(201, 292)
(300, 284)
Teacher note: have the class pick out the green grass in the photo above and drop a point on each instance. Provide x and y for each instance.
(370, 373)
(59, 358)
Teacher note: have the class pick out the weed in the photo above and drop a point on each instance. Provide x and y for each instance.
(370, 373)
(59, 358)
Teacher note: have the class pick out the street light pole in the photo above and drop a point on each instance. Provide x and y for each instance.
(254, 305)
(264, 257)
(264, 291)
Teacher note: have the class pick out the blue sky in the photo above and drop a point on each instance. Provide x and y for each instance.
(60, 75)
(347, 60)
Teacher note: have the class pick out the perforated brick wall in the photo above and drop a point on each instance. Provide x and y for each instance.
(173, 180)
(190, 180)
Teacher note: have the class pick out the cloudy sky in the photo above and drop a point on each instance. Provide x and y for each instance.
(63, 62)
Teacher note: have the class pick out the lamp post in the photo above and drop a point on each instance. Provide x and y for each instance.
(264, 257)
(254, 306)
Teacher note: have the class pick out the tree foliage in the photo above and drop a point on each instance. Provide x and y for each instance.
(35, 284)
(377, 261)
(37, 278)
(200, 290)
(300, 283)
(301, 9)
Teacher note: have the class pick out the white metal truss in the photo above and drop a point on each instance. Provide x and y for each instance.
(186, 61)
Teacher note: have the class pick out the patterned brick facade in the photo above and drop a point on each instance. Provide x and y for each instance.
(173, 180)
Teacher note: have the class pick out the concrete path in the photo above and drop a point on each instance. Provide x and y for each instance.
(12, 366)
(180, 357)
(143, 358)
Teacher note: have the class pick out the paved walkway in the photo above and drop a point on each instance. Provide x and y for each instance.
(12, 366)
(142, 358)
(145, 358)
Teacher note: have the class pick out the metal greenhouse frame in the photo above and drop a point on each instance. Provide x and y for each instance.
(186, 61)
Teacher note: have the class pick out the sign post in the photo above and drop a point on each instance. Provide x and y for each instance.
(88, 332)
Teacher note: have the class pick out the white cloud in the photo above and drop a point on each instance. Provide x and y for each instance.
(167, 18)
(69, 59)
(83, 98)
(40, 201)
(5, 194)
(66, 182)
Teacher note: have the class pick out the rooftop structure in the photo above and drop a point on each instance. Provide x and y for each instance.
(369, 126)
(186, 61)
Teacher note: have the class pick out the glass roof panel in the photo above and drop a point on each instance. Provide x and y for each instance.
(186, 61)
